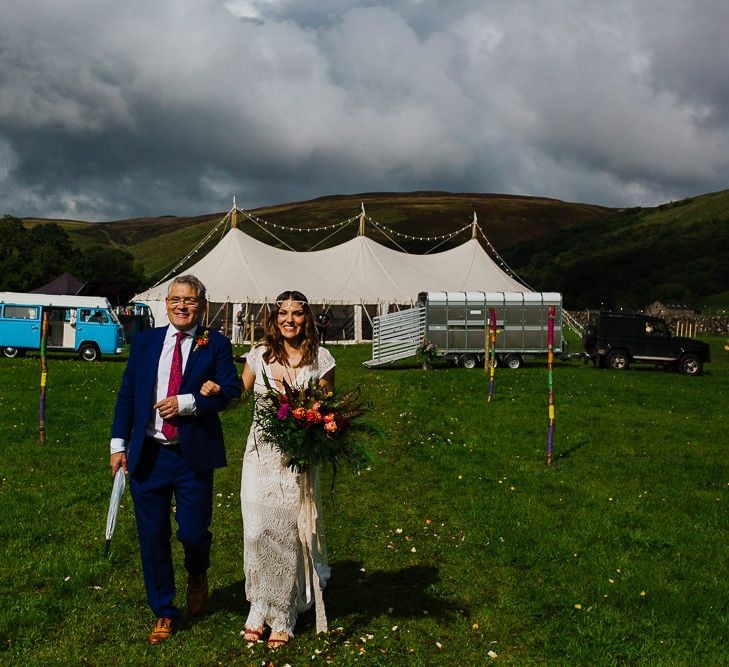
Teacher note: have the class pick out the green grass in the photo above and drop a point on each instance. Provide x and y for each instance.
(458, 541)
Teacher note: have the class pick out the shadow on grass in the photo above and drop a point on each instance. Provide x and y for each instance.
(354, 594)
(230, 598)
(73, 356)
(362, 596)
(568, 452)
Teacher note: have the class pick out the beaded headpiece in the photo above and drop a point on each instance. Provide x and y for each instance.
(290, 303)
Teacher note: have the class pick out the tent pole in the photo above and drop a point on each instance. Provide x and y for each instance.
(361, 231)
(357, 323)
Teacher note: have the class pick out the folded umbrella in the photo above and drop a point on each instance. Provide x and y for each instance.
(116, 494)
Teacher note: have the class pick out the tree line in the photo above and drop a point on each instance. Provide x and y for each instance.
(31, 257)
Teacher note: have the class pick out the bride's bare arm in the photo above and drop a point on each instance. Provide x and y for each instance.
(248, 378)
(327, 380)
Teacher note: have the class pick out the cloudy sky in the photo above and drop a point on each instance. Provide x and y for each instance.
(152, 107)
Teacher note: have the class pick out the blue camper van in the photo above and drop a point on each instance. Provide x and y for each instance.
(83, 324)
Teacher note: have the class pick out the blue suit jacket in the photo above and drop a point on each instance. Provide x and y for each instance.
(201, 435)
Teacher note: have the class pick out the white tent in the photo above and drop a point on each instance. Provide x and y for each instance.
(359, 272)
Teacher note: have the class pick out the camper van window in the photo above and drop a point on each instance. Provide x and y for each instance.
(21, 312)
(97, 316)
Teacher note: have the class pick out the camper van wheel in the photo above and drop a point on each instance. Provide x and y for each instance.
(89, 352)
(468, 361)
(11, 352)
(513, 361)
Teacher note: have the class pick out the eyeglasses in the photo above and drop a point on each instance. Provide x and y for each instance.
(183, 301)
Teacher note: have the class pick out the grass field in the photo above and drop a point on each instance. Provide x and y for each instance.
(458, 541)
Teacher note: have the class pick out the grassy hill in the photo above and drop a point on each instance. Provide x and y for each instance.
(676, 252)
(594, 255)
(159, 243)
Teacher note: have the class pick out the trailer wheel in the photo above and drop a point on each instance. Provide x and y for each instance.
(11, 352)
(467, 361)
(513, 361)
(89, 352)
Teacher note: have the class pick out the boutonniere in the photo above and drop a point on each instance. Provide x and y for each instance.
(202, 340)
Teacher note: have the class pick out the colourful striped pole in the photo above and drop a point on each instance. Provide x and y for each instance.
(492, 361)
(550, 382)
(44, 378)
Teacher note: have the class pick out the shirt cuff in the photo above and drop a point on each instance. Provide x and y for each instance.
(118, 445)
(185, 405)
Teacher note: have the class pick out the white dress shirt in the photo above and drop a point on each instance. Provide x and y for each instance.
(185, 402)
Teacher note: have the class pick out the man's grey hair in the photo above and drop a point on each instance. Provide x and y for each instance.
(192, 281)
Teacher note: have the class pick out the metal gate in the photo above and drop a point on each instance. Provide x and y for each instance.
(396, 335)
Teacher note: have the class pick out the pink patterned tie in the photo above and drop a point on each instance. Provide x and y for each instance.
(169, 430)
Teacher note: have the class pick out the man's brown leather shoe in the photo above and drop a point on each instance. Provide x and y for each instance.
(162, 630)
(197, 593)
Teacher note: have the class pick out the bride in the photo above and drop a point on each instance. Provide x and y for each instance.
(285, 560)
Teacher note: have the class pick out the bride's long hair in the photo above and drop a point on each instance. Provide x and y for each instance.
(274, 341)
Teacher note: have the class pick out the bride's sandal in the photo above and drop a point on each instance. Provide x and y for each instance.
(252, 635)
(277, 642)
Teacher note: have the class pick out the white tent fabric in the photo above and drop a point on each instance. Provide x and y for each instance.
(360, 271)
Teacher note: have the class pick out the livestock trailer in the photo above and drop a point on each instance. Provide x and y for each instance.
(456, 323)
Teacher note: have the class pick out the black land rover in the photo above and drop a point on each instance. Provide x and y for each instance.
(616, 340)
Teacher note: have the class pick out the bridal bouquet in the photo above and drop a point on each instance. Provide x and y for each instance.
(313, 425)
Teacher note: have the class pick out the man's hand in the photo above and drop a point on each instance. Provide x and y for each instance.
(118, 460)
(168, 407)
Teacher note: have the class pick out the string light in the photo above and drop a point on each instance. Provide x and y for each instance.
(384, 229)
(195, 250)
(261, 221)
(413, 237)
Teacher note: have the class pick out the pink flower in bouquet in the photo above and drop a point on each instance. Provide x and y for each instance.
(313, 416)
(299, 413)
(330, 427)
(316, 406)
(283, 412)
(329, 418)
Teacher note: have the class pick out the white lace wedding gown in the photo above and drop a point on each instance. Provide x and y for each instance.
(285, 558)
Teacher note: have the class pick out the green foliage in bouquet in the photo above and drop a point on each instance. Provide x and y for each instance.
(426, 351)
(314, 425)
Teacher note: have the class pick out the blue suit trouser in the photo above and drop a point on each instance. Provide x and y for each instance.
(160, 473)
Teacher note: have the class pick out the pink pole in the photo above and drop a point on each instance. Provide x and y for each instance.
(492, 363)
(550, 383)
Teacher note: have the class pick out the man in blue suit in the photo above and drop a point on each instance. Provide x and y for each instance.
(168, 438)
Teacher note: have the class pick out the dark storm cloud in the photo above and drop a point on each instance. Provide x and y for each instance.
(135, 108)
